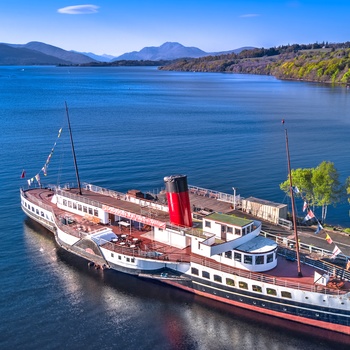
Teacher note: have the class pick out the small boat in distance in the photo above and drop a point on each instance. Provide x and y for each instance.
(192, 240)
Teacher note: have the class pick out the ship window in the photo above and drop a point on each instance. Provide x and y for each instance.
(65, 202)
(69, 204)
(229, 229)
(243, 285)
(230, 282)
(132, 260)
(119, 257)
(112, 255)
(237, 231)
(80, 207)
(257, 288)
(95, 212)
(74, 205)
(217, 278)
(237, 257)
(208, 224)
(271, 291)
(84, 209)
(228, 254)
(248, 259)
(37, 211)
(259, 259)
(194, 271)
(286, 295)
(269, 258)
(90, 211)
(33, 209)
(128, 259)
(205, 274)
(249, 229)
(42, 214)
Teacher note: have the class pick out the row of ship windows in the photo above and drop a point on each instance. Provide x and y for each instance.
(80, 207)
(36, 211)
(127, 258)
(248, 259)
(229, 229)
(241, 284)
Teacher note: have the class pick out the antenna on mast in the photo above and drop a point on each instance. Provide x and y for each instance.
(73, 151)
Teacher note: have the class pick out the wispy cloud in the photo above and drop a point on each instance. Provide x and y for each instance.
(78, 9)
(250, 15)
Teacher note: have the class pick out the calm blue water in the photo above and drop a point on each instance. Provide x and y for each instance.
(132, 127)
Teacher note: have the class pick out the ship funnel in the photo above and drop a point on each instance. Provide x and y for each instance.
(178, 200)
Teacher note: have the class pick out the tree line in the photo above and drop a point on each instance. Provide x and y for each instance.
(318, 62)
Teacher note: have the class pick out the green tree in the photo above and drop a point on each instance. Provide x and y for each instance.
(319, 186)
(326, 186)
(302, 178)
(347, 187)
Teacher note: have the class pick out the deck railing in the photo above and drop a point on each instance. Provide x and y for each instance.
(220, 196)
(286, 249)
(264, 278)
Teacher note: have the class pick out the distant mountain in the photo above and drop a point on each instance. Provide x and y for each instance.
(172, 51)
(10, 55)
(167, 51)
(39, 53)
(70, 56)
(99, 58)
(236, 51)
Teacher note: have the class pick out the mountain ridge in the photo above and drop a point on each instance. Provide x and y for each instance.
(171, 51)
(39, 53)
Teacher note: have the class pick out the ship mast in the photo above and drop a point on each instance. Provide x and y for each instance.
(73, 151)
(293, 208)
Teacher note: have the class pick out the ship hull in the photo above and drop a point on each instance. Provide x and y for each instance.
(325, 318)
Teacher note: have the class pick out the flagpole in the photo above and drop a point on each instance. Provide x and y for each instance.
(293, 208)
(73, 151)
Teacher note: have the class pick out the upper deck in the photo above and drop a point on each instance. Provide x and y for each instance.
(141, 243)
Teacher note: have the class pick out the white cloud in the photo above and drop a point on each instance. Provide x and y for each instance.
(250, 15)
(78, 9)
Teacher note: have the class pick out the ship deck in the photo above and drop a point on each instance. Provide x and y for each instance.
(140, 243)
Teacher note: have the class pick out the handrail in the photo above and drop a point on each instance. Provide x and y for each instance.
(264, 278)
(303, 246)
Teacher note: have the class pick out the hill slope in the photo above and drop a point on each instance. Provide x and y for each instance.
(321, 64)
(69, 56)
(22, 56)
(167, 51)
(39, 53)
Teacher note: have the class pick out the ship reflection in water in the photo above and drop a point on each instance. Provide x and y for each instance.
(120, 310)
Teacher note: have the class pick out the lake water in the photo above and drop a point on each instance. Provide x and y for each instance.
(133, 126)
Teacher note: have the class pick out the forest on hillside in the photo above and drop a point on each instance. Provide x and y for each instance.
(319, 62)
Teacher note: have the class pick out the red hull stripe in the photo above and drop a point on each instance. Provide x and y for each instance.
(321, 324)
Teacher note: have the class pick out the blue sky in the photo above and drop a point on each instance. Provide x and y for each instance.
(115, 27)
